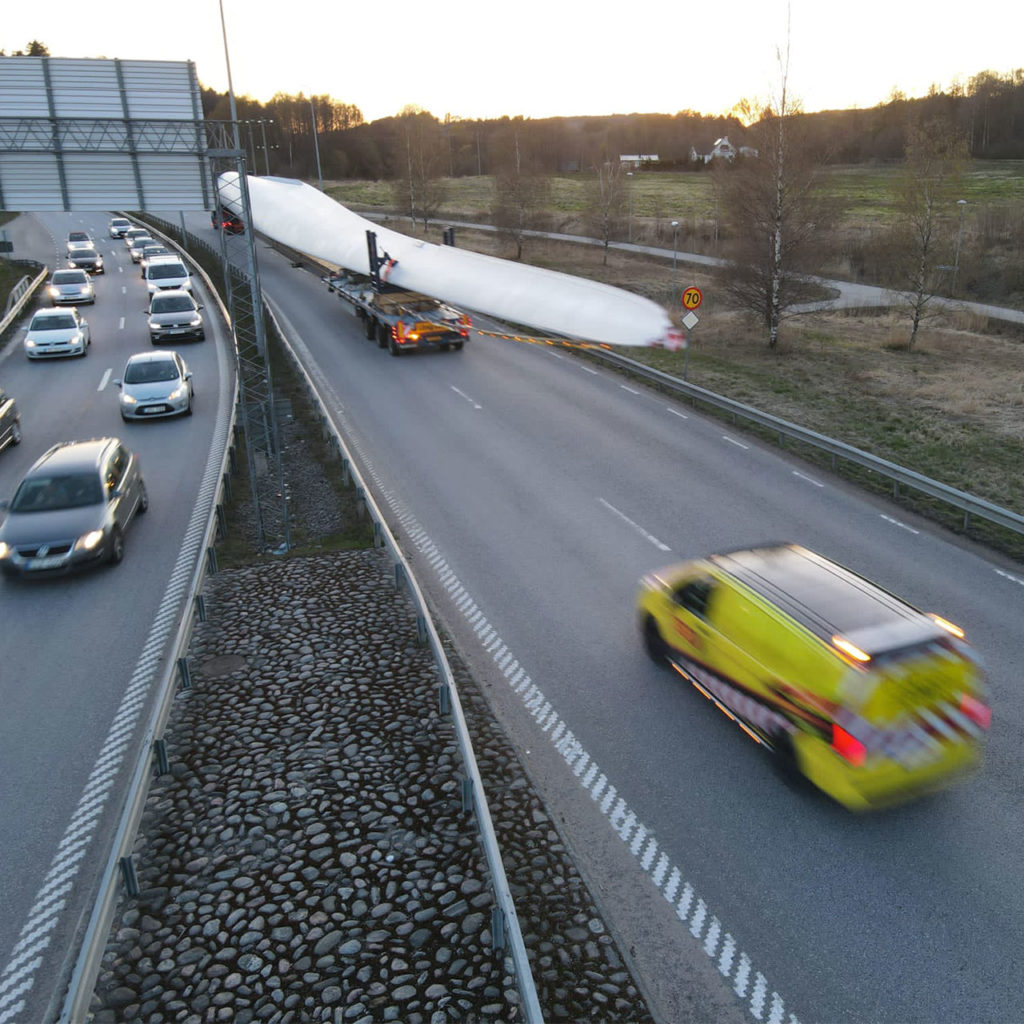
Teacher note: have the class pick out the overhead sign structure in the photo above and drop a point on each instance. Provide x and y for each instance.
(692, 298)
(101, 135)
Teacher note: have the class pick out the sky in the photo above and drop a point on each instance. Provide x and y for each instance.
(546, 58)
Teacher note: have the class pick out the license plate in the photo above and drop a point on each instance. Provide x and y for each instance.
(46, 563)
(150, 409)
(177, 330)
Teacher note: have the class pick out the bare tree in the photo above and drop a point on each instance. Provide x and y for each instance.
(777, 219)
(932, 180)
(420, 159)
(606, 202)
(521, 189)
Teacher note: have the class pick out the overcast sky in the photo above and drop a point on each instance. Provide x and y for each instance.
(542, 58)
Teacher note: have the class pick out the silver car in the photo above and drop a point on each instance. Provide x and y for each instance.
(10, 421)
(155, 384)
(164, 273)
(88, 260)
(174, 316)
(80, 240)
(71, 287)
(72, 509)
(57, 332)
(118, 226)
(139, 243)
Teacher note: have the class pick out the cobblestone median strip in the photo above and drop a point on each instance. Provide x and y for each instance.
(307, 857)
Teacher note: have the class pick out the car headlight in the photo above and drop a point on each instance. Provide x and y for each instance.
(195, 321)
(5, 549)
(29, 343)
(54, 292)
(88, 540)
(128, 399)
(178, 392)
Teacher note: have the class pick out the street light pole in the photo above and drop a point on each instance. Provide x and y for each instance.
(629, 174)
(962, 203)
(675, 246)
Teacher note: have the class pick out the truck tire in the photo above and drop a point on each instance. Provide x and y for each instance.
(371, 327)
(394, 348)
(383, 334)
(457, 345)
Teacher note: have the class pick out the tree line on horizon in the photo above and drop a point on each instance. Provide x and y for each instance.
(988, 111)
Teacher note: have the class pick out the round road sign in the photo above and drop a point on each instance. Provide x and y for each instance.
(692, 298)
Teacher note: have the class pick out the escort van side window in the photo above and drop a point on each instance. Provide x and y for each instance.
(695, 597)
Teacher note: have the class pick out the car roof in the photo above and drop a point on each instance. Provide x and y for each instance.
(49, 314)
(159, 355)
(172, 292)
(821, 595)
(69, 271)
(70, 455)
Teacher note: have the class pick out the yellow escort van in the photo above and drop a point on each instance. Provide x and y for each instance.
(872, 700)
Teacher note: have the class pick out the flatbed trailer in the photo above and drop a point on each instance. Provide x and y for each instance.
(397, 319)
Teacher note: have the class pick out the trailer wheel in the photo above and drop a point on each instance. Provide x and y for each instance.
(394, 348)
(457, 345)
(371, 327)
(383, 335)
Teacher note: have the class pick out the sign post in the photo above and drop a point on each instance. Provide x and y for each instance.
(692, 298)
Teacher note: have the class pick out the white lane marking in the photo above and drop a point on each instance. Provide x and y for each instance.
(462, 394)
(817, 483)
(632, 391)
(676, 412)
(104, 380)
(1009, 576)
(589, 369)
(19, 974)
(733, 964)
(636, 526)
(124, 290)
(120, 324)
(739, 444)
(902, 526)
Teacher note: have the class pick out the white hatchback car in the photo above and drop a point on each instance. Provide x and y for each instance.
(155, 384)
(164, 273)
(57, 332)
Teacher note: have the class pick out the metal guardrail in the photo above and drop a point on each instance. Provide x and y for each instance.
(969, 504)
(20, 294)
(506, 927)
(119, 869)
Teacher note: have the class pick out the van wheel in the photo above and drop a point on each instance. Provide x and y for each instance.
(656, 648)
(786, 763)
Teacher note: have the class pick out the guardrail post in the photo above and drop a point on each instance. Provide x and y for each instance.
(211, 561)
(200, 607)
(399, 574)
(444, 699)
(378, 537)
(222, 523)
(128, 876)
(360, 502)
(163, 765)
(421, 629)
(497, 929)
(466, 788)
(346, 476)
(184, 675)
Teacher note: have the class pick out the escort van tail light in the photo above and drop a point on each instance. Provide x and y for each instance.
(849, 649)
(949, 627)
(847, 746)
(977, 711)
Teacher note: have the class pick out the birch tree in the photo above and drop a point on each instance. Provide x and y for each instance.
(420, 158)
(930, 186)
(606, 202)
(521, 190)
(772, 210)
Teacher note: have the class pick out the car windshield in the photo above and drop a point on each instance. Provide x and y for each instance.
(171, 304)
(49, 493)
(78, 236)
(84, 254)
(150, 370)
(69, 277)
(164, 270)
(60, 322)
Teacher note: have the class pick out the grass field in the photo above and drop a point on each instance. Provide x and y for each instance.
(952, 408)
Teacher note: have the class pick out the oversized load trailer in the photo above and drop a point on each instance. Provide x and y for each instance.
(396, 318)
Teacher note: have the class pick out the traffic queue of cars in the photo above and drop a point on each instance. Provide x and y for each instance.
(72, 508)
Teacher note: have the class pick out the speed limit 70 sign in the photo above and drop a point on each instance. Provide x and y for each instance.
(692, 298)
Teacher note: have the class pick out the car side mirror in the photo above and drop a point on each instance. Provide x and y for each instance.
(116, 382)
